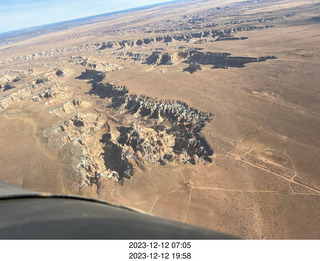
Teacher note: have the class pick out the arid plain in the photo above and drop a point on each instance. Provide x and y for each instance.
(206, 112)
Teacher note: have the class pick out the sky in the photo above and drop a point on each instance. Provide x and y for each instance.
(19, 14)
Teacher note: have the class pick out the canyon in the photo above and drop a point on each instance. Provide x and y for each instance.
(205, 112)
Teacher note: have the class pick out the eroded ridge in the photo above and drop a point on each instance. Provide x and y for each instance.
(198, 36)
(152, 130)
(224, 60)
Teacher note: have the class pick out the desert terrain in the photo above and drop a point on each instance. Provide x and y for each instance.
(205, 112)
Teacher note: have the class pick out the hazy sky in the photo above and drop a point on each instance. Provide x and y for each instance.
(18, 14)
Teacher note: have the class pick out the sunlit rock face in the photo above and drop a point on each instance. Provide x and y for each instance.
(157, 131)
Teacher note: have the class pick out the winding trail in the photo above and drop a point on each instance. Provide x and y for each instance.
(278, 175)
(293, 166)
(252, 191)
(161, 196)
(188, 207)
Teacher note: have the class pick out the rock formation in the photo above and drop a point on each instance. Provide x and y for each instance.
(59, 72)
(193, 67)
(223, 60)
(159, 59)
(153, 58)
(95, 75)
(157, 131)
(42, 80)
(194, 57)
(6, 87)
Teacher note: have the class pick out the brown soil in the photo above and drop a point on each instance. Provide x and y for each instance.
(263, 181)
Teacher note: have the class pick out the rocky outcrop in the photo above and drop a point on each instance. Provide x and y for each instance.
(237, 61)
(106, 45)
(96, 76)
(16, 79)
(39, 87)
(78, 121)
(18, 96)
(115, 159)
(195, 58)
(168, 39)
(80, 136)
(193, 67)
(207, 58)
(6, 87)
(156, 131)
(139, 42)
(49, 93)
(226, 38)
(60, 73)
(264, 58)
(216, 35)
(78, 60)
(42, 80)
(71, 106)
(153, 58)
(224, 60)
(107, 90)
(157, 58)
(166, 59)
(130, 56)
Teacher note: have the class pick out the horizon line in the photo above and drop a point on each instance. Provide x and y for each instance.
(88, 17)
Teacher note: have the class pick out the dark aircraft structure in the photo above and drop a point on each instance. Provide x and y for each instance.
(26, 214)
